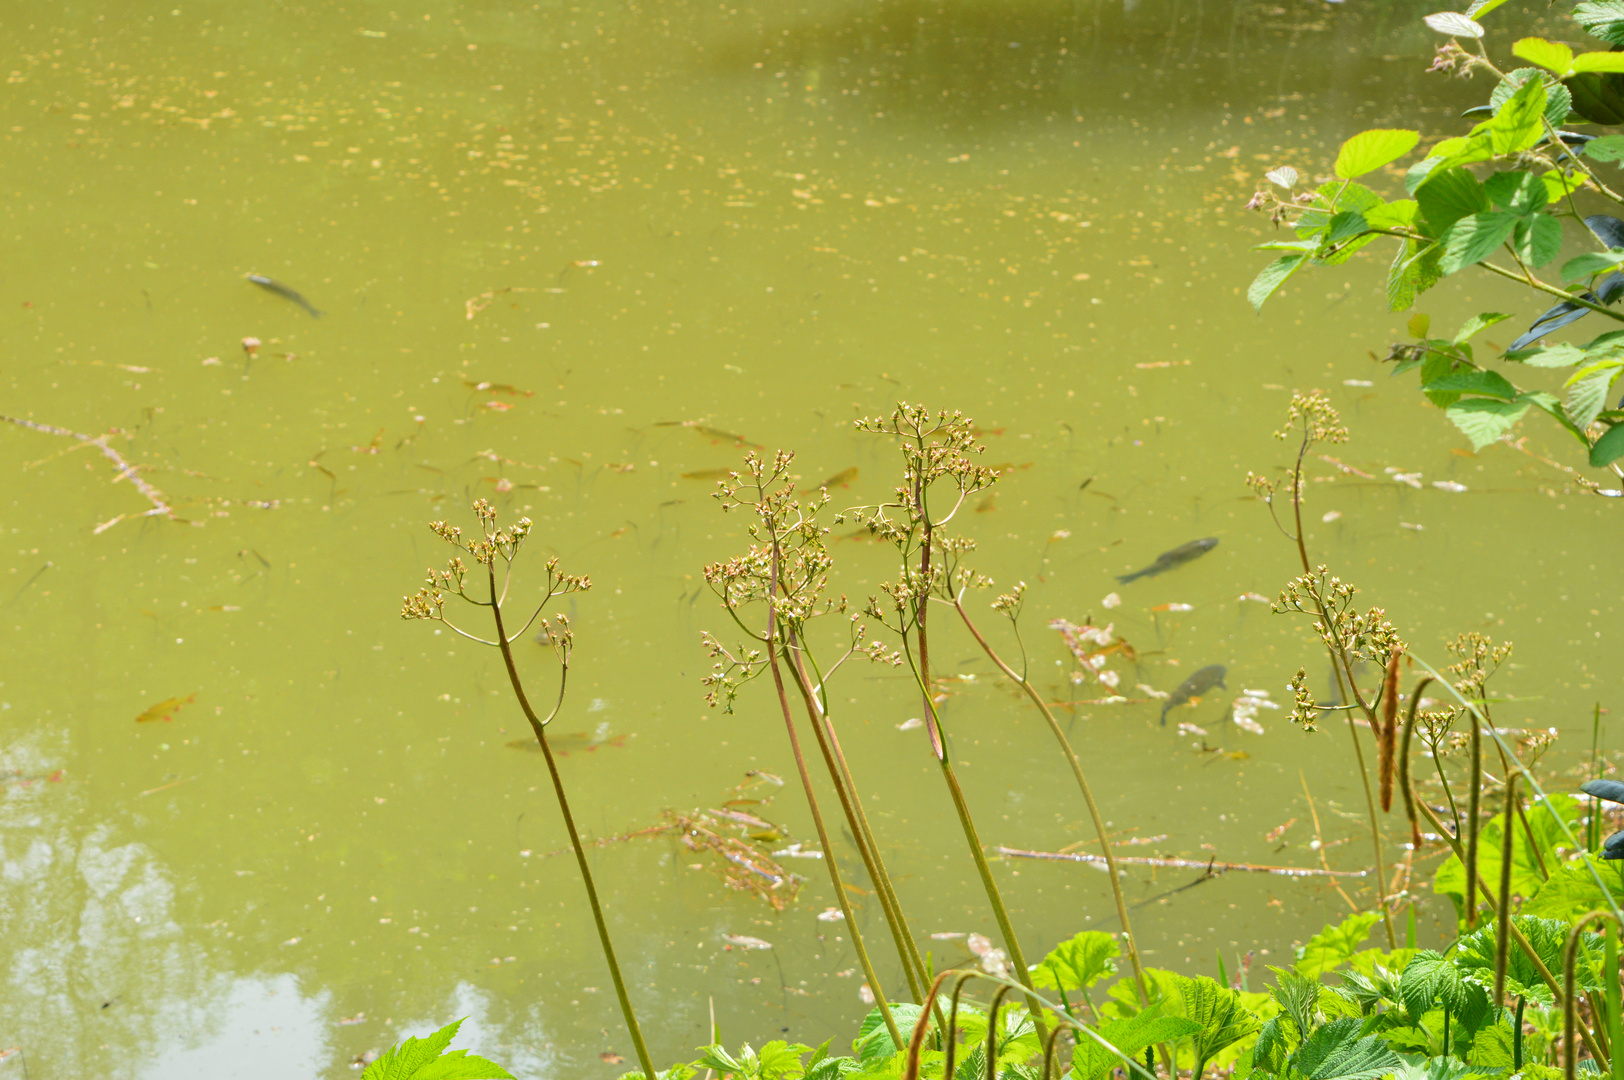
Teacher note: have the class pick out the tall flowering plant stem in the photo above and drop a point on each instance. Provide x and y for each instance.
(496, 545)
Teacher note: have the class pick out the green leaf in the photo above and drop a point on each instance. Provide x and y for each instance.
(1298, 996)
(1398, 214)
(1591, 263)
(1454, 24)
(1550, 356)
(1605, 148)
(1492, 1047)
(1538, 239)
(1484, 420)
(1480, 8)
(1438, 1068)
(1474, 238)
(1519, 123)
(1608, 449)
(1332, 946)
(1427, 980)
(1418, 325)
(1336, 1052)
(1558, 100)
(1078, 963)
(1131, 1035)
(1476, 325)
(1272, 277)
(1599, 61)
(1475, 956)
(427, 1059)
(1348, 224)
(1520, 192)
(1473, 381)
(1571, 890)
(1604, 19)
(1223, 1019)
(1370, 150)
(1547, 54)
(873, 1040)
(1449, 195)
(1587, 391)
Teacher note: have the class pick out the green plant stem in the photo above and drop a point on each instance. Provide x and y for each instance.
(1517, 935)
(1610, 987)
(1570, 997)
(1536, 283)
(1474, 798)
(817, 816)
(983, 869)
(1339, 656)
(1082, 784)
(1502, 941)
(539, 728)
(851, 804)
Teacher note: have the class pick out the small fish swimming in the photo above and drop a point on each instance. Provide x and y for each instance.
(1177, 557)
(709, 474)
(284, 292)
(1208, 677)
(565, 743)
(841, 479)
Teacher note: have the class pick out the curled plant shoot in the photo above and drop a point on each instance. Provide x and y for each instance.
(493, 545)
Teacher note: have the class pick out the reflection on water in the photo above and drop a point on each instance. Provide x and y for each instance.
(577, 261)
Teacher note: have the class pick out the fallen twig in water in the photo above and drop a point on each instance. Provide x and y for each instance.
(1191, 864)
(124, 470)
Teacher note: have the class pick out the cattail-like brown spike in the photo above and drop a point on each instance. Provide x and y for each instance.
(1387, 734)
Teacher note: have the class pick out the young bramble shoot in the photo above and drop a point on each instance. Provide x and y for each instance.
(428, 1059)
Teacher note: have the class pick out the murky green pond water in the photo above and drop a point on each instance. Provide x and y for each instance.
(541, 236)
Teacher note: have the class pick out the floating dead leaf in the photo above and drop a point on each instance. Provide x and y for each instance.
(745, 941)
(498, 388)
(609, 1057)
(166, 709)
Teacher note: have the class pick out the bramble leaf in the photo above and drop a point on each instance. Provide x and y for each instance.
(1474, 238)
(428, 1059)
(1271, 277)
(1370, 150)
(1484, 420)
(1550, 55)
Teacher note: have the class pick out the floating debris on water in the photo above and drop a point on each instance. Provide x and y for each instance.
(832, 914)
(745, 941)
(1411, 525)
(911, 723)
(1112, 600)
(1413, 479)
(1330, 516)
(1191, 729)
(1256, 597)
(1449, 485)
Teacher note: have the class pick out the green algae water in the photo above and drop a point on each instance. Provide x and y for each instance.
(573, 259)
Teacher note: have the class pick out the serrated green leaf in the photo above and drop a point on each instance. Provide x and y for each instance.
(1477, 324)
(1333, 945)
(1474, 238)
(1449, 195)
(1398, 214)
(1079, 962)
(1454, 24)
(1271, 277)
(1591, 263)
(1558, 100)
(1550, 55)
(1346, 225)
(1604, 19)
(1484, 420)
(1337, 1052)
(1429, 980)
(1519, 123)
(873, 1042)
(1130, 1035)
(1605, 148)
(1492, 1047)
(1520, 192)
(427, 1059)
(1537, 239)
(1370, 150)
(1587, 391)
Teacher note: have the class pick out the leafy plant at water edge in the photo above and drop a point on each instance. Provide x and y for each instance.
(1508, 223)
(428, 1059)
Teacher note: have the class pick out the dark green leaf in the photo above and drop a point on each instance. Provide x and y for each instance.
(1550, 356)
(1344, 226)
(1609, 448)
(1538, 239)
(1336, 1052)
(1430, 980)
(1492, 1047)
(1474, 238)
(1218, 1009)
(1520, 192)
(1449, 195)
